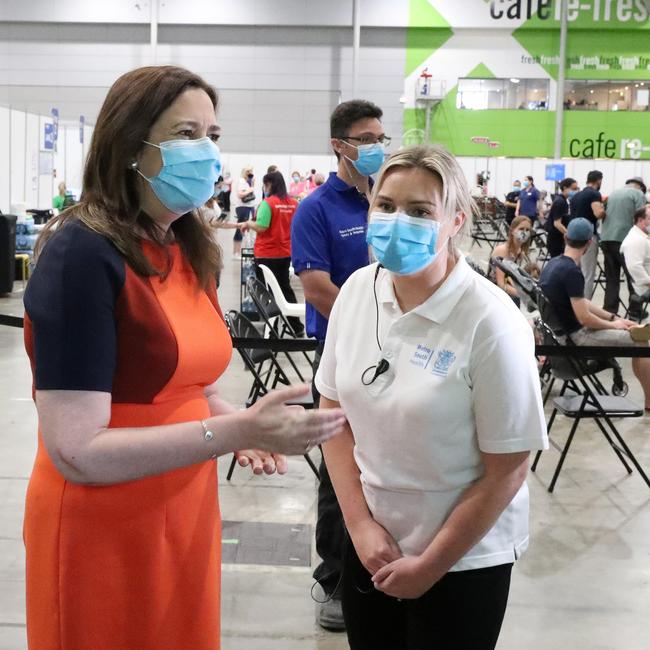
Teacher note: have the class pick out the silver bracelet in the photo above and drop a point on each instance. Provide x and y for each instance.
(208, 436)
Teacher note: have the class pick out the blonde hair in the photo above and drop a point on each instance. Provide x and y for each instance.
(439, 162)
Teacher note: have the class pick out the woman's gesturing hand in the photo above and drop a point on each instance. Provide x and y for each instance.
(290, 430)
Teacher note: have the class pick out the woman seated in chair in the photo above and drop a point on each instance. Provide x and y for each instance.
(516, 249)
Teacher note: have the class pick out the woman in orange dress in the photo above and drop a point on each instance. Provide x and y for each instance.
(126, 340)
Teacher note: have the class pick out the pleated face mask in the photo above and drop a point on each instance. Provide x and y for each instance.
(190, 170)
(401, 243)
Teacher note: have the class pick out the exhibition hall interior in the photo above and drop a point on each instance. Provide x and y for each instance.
(324, 325)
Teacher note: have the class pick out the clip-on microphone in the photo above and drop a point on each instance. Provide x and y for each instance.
(383, 365)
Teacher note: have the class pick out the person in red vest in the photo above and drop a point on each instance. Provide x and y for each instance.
(273, 242)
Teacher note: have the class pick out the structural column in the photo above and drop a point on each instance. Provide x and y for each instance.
(559, 99)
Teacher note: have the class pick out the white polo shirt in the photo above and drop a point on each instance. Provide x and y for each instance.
(636, 251)
(462, 379)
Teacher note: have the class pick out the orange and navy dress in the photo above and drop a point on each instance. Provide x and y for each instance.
(136, 565)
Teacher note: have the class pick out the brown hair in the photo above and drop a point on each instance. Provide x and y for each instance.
(110, 201)
(516, 222)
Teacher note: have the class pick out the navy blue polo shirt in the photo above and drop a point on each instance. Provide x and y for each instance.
(528, 198)
(328, 233)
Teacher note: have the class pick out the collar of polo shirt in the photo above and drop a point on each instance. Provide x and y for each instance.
(438, 306)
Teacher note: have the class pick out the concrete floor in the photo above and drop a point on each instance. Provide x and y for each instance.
(584, 583)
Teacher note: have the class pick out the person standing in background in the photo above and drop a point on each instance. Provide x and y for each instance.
(58, 202)
(243, 200)
(328, 243)
(558, 217)
(273, 242)
(622, 204)
(528, 198)
(224, 197)
(511, 201)
(588, 204)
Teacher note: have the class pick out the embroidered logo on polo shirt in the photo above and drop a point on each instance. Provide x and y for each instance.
(421, 356)
(349, 232)
(442, 363)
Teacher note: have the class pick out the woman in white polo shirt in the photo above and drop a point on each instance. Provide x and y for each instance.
(434, 367)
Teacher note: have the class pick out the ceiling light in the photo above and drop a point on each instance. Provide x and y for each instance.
(514, 80)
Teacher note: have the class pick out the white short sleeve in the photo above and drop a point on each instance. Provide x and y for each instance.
(325, 378)
(506, 394)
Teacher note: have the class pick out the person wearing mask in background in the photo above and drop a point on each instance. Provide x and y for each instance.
(126, 339)
(224, 197)
(516, 249)
(273, 242)
(328, 243)
(588, 204)
(558, 217)
(563, 284)
(636, 251)
(435, 369)
(297, 187)
(58, 202)
(511, 201)
(212, 212)
(243, 200)
(622, 204)
(527, 201)
(542, 207)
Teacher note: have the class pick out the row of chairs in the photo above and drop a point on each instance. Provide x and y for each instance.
(262, 363)
(582, 394)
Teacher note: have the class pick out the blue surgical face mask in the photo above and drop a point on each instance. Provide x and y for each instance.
(403, 244)
(516, 188)
(525, 183)
(370, 159)
(189, 172)
(572, 193)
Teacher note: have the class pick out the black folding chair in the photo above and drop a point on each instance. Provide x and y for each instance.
(589, 401)
(490, 225)
(589, 398)
(533, 297)
(267, 372)
(276, 323)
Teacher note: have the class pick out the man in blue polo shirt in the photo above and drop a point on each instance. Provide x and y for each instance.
(328, 243)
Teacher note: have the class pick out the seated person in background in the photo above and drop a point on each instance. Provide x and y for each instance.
(558, 217)
(516, 249)
(563, 285)
(636, 252)
(297, 187)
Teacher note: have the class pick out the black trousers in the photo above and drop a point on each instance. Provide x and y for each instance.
(330, 529)
(280, 268)
(243, 213)
(555, 243)
(463, 611)
(614, 262)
